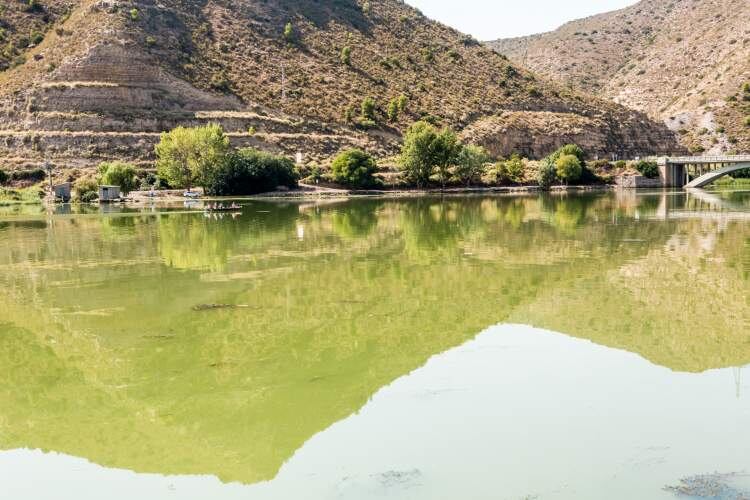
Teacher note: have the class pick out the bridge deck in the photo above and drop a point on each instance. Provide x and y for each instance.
(697, 160)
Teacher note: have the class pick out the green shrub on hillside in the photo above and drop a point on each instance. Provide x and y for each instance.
(220, 82)
(118, 174)
(393, 110)
(402, 102)
(346, 55)
(368, 109)
(647, 169)
(3, 177)
(249, 171)
(470, 164)
(134, 14)
(188, 156)
(354, 168)
(289, 35)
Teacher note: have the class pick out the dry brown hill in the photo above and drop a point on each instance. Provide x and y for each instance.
(23, 24)
(682, 61)
(110, 75)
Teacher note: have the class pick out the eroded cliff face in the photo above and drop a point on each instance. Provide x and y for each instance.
(537, 134)
(113, 75)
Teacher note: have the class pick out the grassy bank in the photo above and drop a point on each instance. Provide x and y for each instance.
(21, 196)
(729, 181)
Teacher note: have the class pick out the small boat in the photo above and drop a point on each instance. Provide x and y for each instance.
(220, 207)
(191, 194)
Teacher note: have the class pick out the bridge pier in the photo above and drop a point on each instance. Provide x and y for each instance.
(672, 174)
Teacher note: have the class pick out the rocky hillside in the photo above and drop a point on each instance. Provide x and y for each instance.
(106, 76)
(683, 62)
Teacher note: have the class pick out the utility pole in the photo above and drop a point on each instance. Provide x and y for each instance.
(47, 165)
(283, 86)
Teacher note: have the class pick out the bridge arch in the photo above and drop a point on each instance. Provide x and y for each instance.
(710, 177)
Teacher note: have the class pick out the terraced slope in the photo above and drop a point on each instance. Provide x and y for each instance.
(113, 74)
(683, 62)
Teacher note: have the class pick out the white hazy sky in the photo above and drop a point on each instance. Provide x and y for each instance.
(492, 19)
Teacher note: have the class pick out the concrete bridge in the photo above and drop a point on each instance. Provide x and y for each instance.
(698, 171)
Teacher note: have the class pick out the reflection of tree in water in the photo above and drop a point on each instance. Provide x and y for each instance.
(194, 241)
(514, 211)
(430, 225)
(568, 212)
(355, 219)
(247, 386)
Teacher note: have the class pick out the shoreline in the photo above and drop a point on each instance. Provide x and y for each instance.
(314, 192)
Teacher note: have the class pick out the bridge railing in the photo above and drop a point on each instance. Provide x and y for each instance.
(708, 159)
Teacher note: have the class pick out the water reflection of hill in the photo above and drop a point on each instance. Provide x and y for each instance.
(103, 355)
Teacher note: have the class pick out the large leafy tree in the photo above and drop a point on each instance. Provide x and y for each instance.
(426, 150)
(470, 163)
(190, 156)
(568, 168)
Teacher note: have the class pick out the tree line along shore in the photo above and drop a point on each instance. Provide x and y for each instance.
(430, 158)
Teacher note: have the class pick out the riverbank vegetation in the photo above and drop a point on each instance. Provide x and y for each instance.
(21, 187)
(430, 158)
(21, 196)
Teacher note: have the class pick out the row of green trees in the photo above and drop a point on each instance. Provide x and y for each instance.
(202, 156)
(427, 152)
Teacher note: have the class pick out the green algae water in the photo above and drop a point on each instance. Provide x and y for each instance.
(557, 346)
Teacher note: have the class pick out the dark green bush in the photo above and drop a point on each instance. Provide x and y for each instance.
(346, 55)
(3, 177)
(601, 165)
(368, 109)
(648, 169)
(354, 168)
(35, 175)
(89, 197)
(249, 171)
(86, 189)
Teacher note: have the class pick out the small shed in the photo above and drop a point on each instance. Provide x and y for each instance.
(109, 193)
(62, 191)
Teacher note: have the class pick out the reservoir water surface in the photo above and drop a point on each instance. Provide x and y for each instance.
(486, 347)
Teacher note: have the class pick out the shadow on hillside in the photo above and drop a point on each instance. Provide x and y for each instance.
(322, 13)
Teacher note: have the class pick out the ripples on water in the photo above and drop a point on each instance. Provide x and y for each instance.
(330, 350)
